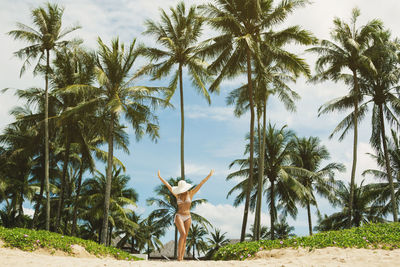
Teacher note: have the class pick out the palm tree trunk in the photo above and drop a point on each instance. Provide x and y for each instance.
(104, 227)
(309, 218)
(387, 163)
(353, 168)
(64, 173)
(176, 243)
(250, 179)
(39, 201)
(261, 169)
(78, 192)
(272, 211)
(182, 124)
(46, 141)
(256, 224)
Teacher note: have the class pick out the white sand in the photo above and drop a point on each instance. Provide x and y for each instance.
(282, 257)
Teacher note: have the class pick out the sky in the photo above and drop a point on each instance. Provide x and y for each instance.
(214, 137)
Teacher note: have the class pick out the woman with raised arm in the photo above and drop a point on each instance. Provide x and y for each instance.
(182, 218)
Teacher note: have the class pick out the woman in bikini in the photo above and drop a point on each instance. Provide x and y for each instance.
(182, 218)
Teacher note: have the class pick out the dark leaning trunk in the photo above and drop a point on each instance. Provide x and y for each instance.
(387, 163)
(64, 173)
(182, 124)
(103, 238)
(78, 192)
(250, 179)
(46, 142)
(353, 168)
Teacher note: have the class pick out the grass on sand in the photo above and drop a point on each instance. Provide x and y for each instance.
(30, 240)
(383, 236)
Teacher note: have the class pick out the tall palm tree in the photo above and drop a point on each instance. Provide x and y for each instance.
(215, 242)
(346, 52)
(381, 86)
(168, 207)
(365, 210)
(72, 66)
(308, 153)
(270, 80)
(195, 239)
(45, 37)
(241, 25)
(178, 34)
(116, 96)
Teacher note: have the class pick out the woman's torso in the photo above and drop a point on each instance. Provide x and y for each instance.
(184, 203)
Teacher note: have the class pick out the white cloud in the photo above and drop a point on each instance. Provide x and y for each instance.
(228, 218)
(29, 212)
(213, 113)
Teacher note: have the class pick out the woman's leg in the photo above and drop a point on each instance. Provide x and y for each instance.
(182, 235)
(187, 224)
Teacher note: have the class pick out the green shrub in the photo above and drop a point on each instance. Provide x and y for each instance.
(30, 240)
(383, 235)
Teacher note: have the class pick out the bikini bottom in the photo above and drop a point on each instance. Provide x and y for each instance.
(183, 217)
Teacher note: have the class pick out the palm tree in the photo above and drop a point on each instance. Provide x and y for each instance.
(282, 229)
(46, 37)
(216, 241)
(116, 96)
(178, 34)
(363, 205)
(280, 175)
(93, 199)
(168, 207)
(347, 51)
(195, 239)
(270, 80)
(382, 88)
(72, 66)
(241, 25)
(308, 154)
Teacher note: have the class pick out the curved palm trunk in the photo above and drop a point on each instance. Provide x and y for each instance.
(250, 180)
(387, 163)
(78, 192)
(272, 211)
(261, 170)
(182, 124)
(62, 190)
(353, 167)
(104, 227)
(46, 142)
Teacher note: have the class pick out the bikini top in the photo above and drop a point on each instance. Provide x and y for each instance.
(180, 201)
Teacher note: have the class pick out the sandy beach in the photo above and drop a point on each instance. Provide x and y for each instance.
(282, 257)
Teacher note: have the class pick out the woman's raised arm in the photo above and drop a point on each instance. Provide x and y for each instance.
(165, 182)
(197, 188)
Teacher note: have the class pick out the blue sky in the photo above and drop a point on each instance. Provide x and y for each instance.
(213, 136)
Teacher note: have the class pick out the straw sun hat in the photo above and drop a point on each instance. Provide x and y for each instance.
(181, 188)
